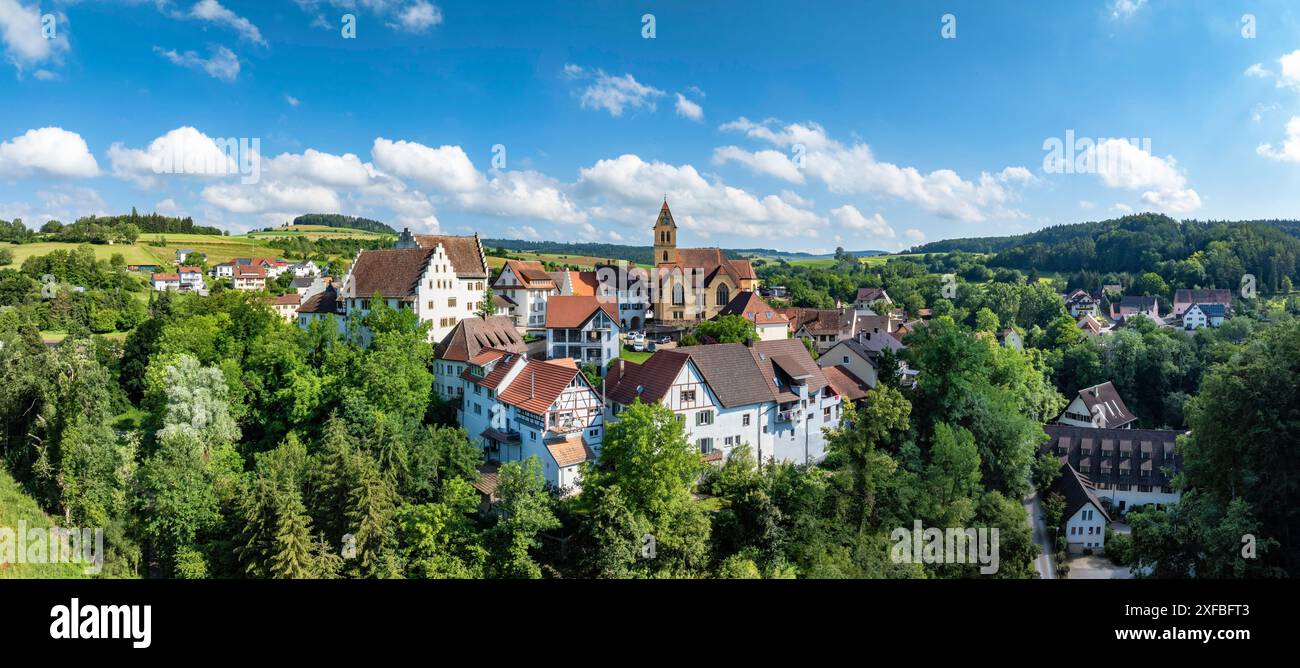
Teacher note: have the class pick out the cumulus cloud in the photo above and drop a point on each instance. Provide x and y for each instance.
(446, 167)
(1289, 150)
(623, 189)
(214, 12)
(222, 64)
(808, 152)
(848, 217)
(47, 151)
(418, 16)
(1122, 164)
(1123, 9)
(25, 44)
(184, 151)
(611, 93)
(688, 109)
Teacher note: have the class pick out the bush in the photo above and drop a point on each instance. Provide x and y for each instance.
(1119, 548)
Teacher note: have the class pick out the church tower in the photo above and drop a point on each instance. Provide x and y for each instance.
(665, 236)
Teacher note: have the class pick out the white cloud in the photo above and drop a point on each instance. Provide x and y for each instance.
(1257, 71)
(183, 151)
(1122, 164)
(613, 94)
(293, 101)
(47, 151)
(623, 189)
(24, 41)
(1123, 9)
(688, 109)
(914, 234)
(341, 171)
(1289, 151)
(223, 64)
(848, 217)
(215, 12)
(418, 17)
(522, 194)
(1289, 70)
(849, 169)
(268, 196)
(446, 167)
(1086, 205)
(1120, 207)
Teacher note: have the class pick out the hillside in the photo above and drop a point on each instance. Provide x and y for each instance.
(339, 220)
(16, 506)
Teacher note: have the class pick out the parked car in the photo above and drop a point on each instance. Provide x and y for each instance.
(639, 345)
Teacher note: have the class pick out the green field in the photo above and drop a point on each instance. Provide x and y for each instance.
(134, 254)
(317, 232)
(15, 506)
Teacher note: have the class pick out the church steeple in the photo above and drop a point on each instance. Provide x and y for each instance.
(665, 231)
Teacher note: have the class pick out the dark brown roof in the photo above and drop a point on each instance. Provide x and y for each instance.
(1104, 399)
(713, 263)
(733, 373)
(1108, 450)
(793, 360)
(1078, 491)
(574, 312)
(820, 321)
(473, 334)
(846, 383)
(287, 298)
(325, 301)
(538, 385)
(751, 307)
(1212, 296)
(488, 479)
(391, 273)
(869, 295)
(654, 377)
(465, 253)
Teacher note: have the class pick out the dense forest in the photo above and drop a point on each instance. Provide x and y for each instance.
(340, 220)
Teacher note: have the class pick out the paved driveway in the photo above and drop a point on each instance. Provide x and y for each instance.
(1046, 569)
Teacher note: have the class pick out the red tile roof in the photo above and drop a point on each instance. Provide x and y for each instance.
(530, 274)
(846, 383)
(751, 307)
(391, 273)
(574, 312)
(166, 277)
(465, 253)
(288, 298)
(537, 386)
(570, 451)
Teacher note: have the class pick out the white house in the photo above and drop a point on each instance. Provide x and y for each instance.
(584, 329)
(464, 343)
(526, 286)
(1079, 303)
(769, 395)
(1097, 406)
(1203, 315)
(769, 323)
(305, 269)
(1084, 521)
(1185, 299)
(322, 305)
(443, 279)
(223, 270)
(515, 409)
(163, 282)
(191, 278)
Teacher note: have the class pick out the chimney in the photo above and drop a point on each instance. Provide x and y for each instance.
(749, 342)
(618, 369)
(532, 385)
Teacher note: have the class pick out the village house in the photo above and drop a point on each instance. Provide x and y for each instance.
(514, 409)
(845, 383)
(822, 327)
(1203, 315)
(525, 286)
(223, 270)
(584, 329)
(182, 253)
(1083, 524)
(1080, 303)
(442, 279)
(322, 305)
(693, 283)
(1129, 468)
(860, 355)
(1010, 338)
(304, 269)
(770, 324)
(286, 305)
(249, 277)
(868, 296)
(164, 282)
(1090, 325)
(1131, 305)
(1185, 299)
(627, 285)
(1097, 406)
(464, 343)
(769, 395)
(191, 278)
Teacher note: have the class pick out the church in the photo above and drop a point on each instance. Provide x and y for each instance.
(693, 283)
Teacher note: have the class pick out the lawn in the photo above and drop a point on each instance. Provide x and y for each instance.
(629, 355)
(217, 249)
(16, 506)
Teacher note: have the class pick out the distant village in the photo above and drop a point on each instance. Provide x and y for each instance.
(517, 381)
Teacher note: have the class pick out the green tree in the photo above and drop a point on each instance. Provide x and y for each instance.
(525, 510)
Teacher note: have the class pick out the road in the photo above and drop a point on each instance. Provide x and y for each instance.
(1046, 569)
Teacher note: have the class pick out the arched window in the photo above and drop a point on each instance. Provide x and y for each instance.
(724, 295)
(679, 295)
(665, 256)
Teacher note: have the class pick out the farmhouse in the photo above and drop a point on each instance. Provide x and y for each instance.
(1185, 299)
(1203, 315)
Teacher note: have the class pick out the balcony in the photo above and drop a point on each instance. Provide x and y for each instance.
(789, 415)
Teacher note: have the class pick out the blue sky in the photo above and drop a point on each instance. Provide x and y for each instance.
(802, 126)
